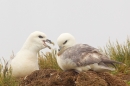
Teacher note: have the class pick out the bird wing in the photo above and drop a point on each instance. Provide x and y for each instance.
(83, 54)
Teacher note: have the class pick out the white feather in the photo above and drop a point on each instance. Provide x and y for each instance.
(26, 61)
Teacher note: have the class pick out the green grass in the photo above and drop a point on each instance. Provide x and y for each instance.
(119, 52)
(48, 61)
(6, 78)
(128, 83)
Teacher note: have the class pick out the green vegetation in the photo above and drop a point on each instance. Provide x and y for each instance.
(121, 53)
(48, 60)
(5, 76)
(128, 82)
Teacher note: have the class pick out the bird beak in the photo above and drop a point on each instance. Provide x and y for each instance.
(60, 50)
(49, 41)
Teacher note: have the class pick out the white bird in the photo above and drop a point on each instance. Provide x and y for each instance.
(81, 57)
(26, 61)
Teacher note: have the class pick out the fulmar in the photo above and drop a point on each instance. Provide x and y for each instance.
(26, 61)
(81, 57)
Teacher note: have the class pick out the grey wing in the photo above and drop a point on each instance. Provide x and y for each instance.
(83, 54)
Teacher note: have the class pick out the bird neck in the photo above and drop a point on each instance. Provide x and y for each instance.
(62, 50)
(31, 47)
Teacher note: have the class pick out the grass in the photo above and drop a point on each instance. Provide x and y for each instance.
(48, 60)
(118, 52)
(6, 78)
(128, 82)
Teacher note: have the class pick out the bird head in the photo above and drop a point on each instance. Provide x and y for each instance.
(64, 41)
(37, 40)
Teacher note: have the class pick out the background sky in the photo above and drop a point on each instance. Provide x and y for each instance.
(91, 21)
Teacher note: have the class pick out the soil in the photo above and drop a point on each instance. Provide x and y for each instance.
(51, 77)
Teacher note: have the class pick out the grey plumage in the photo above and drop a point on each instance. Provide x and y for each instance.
(83, 54)
(81, 57)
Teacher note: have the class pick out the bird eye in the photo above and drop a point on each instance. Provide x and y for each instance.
(65, 42)
(40, 36)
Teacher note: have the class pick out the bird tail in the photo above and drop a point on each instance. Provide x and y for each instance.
(112, 62)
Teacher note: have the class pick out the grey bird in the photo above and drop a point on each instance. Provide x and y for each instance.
(81, 57)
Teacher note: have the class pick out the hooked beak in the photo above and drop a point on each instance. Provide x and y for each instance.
(49, 41)
(60, 50)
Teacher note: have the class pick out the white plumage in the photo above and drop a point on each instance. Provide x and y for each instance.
(81, 57)
(26, 61)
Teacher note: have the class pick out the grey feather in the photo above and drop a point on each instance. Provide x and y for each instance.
(83, 54)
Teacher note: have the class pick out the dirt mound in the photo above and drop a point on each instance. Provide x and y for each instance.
(124, 76)
(50, 77)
